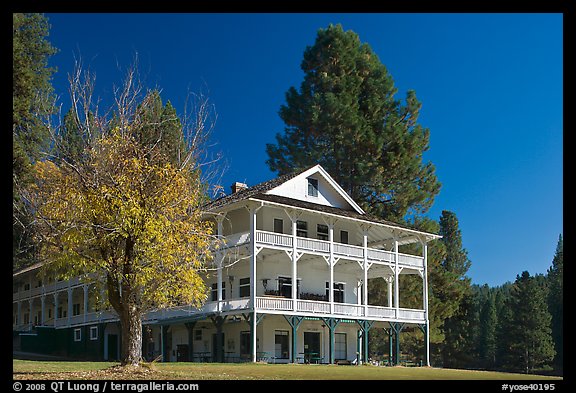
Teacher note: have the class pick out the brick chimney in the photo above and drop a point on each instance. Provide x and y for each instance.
(237, 186)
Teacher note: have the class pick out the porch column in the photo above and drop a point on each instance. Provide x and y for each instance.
(85, 288)
(365, 294)
(69, 312)
(55, 307)
(19, 313)
(190, 329)
(219, 219)
(425, 290)
(294, 263)
(42, 310)
(331, 265)
(253, 210)
(332, 323)
(396, 274)
(294, 321)
(389, 282)
(30, 316)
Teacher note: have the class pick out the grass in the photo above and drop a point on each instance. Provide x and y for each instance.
(31, 369)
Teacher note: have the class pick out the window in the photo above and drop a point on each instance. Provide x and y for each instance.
(26, 286)
(278, 225)
(322, 231)
(245, 344)
(38, 284)
(244, 287)
(77, 334)
(340, 346)
(76, 309)
(215, 291)
(49, 313)
(301, 228)
(281, 344)
(344, 237)
(26, 319)
(312, 187)
(198, 335)
(338, 292)
(285, 286)
(93, 333)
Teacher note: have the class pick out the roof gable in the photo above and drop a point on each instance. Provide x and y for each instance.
(322, 191)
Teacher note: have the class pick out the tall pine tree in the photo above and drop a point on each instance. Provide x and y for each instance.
(345, 117)
(556, 302)
(530, 343)
(32, 100)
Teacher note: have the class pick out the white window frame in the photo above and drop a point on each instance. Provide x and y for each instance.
(77, 335)
(315, 188)
(93, 333)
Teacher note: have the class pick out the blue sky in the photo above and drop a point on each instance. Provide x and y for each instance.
(490, 84)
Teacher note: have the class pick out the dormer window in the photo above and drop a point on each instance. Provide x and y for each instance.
(312, 187)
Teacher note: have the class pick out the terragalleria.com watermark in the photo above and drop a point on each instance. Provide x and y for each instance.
(103, 386)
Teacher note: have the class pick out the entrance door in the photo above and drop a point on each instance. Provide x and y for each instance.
(182, 352)
(113, 347)
(311, 347)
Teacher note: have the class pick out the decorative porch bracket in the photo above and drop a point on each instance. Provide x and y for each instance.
(332, 323)
(294, 321)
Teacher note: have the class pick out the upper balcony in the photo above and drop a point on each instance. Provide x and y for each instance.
(322, 247)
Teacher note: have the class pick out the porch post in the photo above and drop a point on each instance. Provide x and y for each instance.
(294, 265)
(331, 265)
(365, 244)
(19, 313)
(390, 345)
(219, 219)
(69, 312)
(425, 290)
(190, 328)
(31, 317)
(85, 288)
(55, 307)
(253, 210)
(389, 291)
(42, 310)
(294, 321)
(396, 274)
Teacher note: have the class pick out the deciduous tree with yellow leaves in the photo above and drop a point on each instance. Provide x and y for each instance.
(125, 213)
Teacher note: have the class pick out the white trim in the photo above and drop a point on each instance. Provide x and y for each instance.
(79, 337)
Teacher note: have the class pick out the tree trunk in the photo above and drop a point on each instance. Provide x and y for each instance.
(131, 324)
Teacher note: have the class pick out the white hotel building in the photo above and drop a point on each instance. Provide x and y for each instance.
(290, 285)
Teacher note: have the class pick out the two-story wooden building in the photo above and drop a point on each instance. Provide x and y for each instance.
(290, 284)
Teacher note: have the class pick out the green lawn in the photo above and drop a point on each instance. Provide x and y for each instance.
(28, 369)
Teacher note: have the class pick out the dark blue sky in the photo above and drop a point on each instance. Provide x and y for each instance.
(490, 84)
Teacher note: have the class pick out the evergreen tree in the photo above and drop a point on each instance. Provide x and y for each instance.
(530, 342)
(487, 332)
(345, 117)
(556, 302)
(454, 287)
(32, 99)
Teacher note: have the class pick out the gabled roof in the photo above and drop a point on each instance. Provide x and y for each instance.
(250, 191)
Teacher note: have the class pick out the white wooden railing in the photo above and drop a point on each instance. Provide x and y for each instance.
(340, 309)
(273, 239)
(272, 303)
(312, 306)
(340, 250)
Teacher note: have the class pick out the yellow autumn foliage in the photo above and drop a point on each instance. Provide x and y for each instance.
(126, 215)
